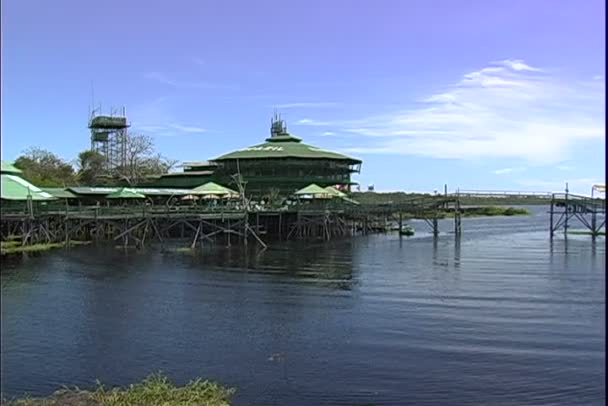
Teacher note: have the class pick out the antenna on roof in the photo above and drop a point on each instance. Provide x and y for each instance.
(92, 105)
(277, 125)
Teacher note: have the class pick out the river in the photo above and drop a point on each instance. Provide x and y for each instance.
(501, 316)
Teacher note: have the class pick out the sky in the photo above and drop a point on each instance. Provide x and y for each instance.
(478, 95)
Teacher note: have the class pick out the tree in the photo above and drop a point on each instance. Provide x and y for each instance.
(45, 169)
(90, 167)
(142, 161)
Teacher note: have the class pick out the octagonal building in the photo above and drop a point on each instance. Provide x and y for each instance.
(283, 163)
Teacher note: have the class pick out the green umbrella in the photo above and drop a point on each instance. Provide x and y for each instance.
(332, 191)
(213, 189)
(125, 193)
(314, 190)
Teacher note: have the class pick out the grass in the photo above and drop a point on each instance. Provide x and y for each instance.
(484, 211)
(15, 247)
(155, 390)
(402, 197)
(494, 211)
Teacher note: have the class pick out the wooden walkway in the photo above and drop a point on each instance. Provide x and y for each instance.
(590, 212)
(137, 225)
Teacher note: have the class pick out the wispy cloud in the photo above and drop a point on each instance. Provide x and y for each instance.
(505, 171)
(507, 110)
(170, 130)
(578, 185)
(187, 129)
(328, 133)
(155, 117)
(517, 65)
(307, 121)
(166, 80)
(304, 104)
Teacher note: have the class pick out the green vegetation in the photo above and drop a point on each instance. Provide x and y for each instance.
(156, 390)
(483, 211)
(47, 170)
(402, 197)
(493, 211)
(15, 247)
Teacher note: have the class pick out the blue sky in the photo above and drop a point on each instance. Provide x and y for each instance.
(476, 94)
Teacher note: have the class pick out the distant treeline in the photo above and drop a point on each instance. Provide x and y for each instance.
(403, 197)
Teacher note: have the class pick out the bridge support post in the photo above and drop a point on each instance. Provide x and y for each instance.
(400, 224)
(551, 229)
(457, 225)
(567, 214)
(593, 223)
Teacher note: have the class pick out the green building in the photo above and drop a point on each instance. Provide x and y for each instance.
(283, 164)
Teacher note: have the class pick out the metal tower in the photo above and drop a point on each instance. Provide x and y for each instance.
(109, 137)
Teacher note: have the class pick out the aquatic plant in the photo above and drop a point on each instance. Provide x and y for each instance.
(15, 247)
(155, 390)
(586, 232)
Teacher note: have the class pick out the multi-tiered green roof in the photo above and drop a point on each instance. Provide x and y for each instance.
(282, 163)
(285, 145)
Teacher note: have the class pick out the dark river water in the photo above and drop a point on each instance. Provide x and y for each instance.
(502, 316)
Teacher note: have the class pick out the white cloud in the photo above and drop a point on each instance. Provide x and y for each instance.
(328, 133)
(304, 104)
(155, 117)
(518, 65)
(187, 129)
(505, 171)
(307, 121)
(163, 79)
(581, 186)
(168, 130)
(507, 110)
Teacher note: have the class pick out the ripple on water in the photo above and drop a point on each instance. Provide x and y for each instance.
(500, 316)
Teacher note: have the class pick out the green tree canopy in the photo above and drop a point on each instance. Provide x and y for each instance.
(45, 169)
(90, 166)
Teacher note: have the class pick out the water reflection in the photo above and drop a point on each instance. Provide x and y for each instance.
(457, 240)
(334, 322)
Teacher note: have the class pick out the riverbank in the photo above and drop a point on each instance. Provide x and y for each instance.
(156, 390)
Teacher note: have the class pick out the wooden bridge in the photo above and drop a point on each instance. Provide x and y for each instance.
(591, 212)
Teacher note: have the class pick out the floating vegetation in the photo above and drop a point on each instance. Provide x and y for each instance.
(491, 211)
(15, 247)
(155, 390)
(183, 249)
(587, 232)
